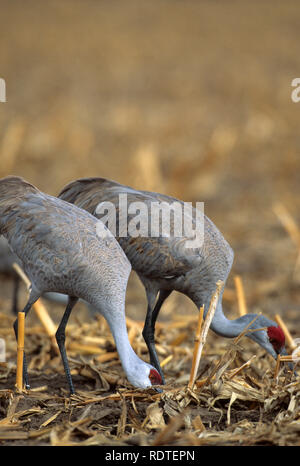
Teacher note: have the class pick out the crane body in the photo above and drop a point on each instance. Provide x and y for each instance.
(165, 264)
(60, 251)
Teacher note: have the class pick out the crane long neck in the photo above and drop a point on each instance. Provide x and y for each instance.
(118, 329)
(230, 328)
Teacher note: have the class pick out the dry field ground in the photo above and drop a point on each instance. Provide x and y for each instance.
(192, 99)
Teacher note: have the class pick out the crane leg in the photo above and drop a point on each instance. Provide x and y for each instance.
(60, 338)
(32, 299)
(149, 328)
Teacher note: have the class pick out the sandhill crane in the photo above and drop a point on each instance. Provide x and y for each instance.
(64, 249)
(165, 264)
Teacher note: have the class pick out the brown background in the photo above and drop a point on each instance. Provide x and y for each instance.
(188, 98)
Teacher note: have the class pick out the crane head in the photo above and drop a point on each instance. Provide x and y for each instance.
(155, 377)
(270, 337)
(276, 338)
(143, 375)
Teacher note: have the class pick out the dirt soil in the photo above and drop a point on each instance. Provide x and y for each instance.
(192, 99)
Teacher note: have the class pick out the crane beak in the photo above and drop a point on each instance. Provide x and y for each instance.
(157, 389)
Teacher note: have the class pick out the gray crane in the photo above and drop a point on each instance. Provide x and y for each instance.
(164, 263)
(64, 249)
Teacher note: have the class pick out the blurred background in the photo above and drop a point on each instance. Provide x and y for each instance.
(189, 98)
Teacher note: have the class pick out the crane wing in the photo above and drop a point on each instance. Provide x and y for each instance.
(153, 256)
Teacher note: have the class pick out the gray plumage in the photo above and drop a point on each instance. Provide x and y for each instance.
(60, 251)
(165, 264)
(7, 259)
